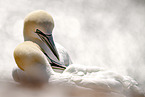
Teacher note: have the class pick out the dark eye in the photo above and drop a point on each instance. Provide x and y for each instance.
(39, 32)
(42, 33)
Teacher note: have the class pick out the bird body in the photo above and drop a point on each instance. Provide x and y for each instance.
(37, 55)
(63, 55)
(38, 51)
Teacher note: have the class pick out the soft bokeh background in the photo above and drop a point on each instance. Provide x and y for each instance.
(107, 33)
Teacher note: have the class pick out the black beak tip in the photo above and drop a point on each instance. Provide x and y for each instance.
(58, 58)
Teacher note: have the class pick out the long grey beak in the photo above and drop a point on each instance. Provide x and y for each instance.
(48, 39)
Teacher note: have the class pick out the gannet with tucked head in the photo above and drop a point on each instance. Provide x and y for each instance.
(39, 49)
(34, 55)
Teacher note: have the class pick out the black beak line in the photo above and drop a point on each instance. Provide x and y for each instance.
(50, 44)
(46, 39)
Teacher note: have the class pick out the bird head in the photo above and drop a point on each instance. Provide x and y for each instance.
(38, 26)
(37, 20)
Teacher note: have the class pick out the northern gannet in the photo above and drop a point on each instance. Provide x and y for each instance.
(35, 65)
(38, 26)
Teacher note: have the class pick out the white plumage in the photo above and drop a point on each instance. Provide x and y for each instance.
(35, 67)
(39, 50)
(63, 55)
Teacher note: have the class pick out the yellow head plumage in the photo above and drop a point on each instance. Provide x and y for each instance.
(37, 20)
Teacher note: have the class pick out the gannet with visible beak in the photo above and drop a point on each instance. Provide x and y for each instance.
(38, 49)
(38, 53)
(38, 27)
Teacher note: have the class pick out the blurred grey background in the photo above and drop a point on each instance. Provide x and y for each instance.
(107, 33)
